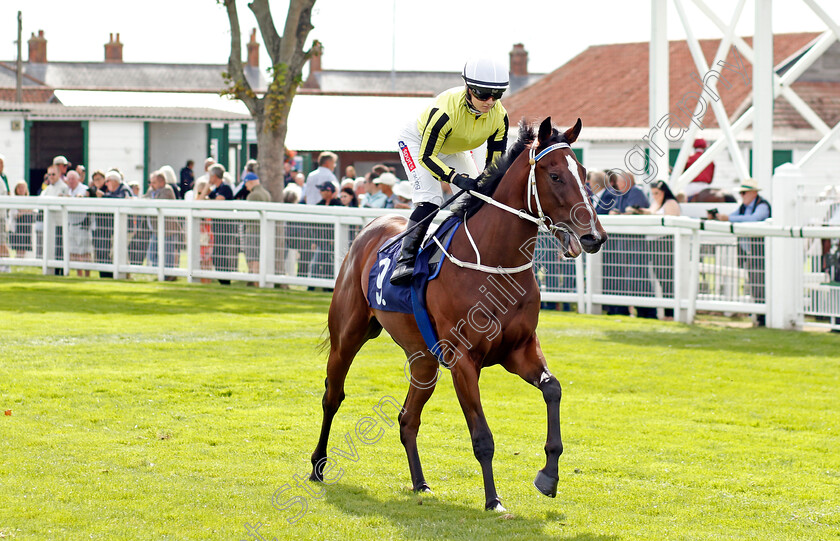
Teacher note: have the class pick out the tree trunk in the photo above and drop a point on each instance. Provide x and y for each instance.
(271, 154)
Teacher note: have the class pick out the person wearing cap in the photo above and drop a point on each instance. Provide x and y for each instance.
(754, 208)
(704, 179)
(327, 192)
(402, 194)
(386, 183)
(62, 164)
(436, 147)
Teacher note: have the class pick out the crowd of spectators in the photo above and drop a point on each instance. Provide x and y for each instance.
(90, 235)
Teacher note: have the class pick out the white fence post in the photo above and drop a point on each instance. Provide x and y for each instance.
(193, 244)
(47, 239)
(120, 241)
(784, 274)
(65, 240)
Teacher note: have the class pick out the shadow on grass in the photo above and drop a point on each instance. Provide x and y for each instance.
(427, 517)
(744, 341)
(47, 294)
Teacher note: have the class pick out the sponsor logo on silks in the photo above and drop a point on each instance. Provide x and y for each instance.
(409, 162)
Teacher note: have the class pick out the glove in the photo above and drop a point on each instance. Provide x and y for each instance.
(464, 182)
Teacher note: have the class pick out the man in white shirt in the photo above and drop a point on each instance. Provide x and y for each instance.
(324, 173)
(56, 187)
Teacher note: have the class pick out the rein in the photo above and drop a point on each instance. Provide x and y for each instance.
(543, 222)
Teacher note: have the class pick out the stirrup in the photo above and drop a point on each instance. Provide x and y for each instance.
(402, 273)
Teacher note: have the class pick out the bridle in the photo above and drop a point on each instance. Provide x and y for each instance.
(543, 222)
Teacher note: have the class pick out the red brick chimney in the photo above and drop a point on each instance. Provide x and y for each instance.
(113, 50)
(314, 66)
(253, 50)
(518, 60)
(38, 48)
(315, 59)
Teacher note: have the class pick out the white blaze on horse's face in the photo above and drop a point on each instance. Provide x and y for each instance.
(573, 169)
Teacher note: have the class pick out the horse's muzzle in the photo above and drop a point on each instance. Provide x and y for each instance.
(591, 244)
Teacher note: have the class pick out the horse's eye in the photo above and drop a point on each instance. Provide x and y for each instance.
(555, 177)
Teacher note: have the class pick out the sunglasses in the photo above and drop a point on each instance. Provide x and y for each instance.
(484, 94)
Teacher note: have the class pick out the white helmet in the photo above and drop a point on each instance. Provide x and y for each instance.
(486, 73)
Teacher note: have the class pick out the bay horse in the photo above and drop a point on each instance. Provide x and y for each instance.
(524, 190)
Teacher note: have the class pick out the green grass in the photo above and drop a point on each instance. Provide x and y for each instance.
(170, 411)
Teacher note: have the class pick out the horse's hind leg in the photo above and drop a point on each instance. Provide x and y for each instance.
(348, 332)
(424, 373)
(529, 363)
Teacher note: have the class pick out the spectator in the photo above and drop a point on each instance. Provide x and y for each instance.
(135, 188)
(349, 173)
(660, 250)
(348, 197)
(288, 174)
(324, 173)
(56, 187)
(251, 237)
(21, 223)
(208, 163)
(160, 189)
(97, 184)
(704, 178)
(374, 199)
(664, 201)
(4, 190)
(292, 193)
(359, 189)
(187, 177)
(205, 241)
(103, 224)
(251, 166)
(327, 193)
(386, 182)
(169, 174)
(116, 189)
(79, 237)
(402, 192)
(300, 180)
(630, 195)
(223, 230)
(603, 195)
(754, 208)
(61, 164)
(80, 169)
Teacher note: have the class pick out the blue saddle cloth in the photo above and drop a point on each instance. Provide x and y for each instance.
(411, 299)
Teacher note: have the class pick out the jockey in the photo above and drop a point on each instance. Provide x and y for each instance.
(438, 146)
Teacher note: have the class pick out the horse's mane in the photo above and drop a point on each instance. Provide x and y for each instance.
(489, 180)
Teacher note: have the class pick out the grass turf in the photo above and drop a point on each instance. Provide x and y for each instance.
(171, 411)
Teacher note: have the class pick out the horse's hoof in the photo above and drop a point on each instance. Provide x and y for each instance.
(495, 505)
(315, 477)
(546, 485)
(423, 489)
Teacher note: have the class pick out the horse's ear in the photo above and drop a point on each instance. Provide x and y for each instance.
(545, 130)
(573, 132)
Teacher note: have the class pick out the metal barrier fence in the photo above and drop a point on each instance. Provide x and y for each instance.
(673, 264)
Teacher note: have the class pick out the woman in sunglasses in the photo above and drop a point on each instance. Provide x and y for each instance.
(437, 147)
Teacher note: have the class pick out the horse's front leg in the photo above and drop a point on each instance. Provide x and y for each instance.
(529, 363)
(465, 379)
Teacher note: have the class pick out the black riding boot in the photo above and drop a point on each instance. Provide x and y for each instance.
(411, 243)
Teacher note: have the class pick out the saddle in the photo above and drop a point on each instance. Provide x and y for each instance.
(411, 298)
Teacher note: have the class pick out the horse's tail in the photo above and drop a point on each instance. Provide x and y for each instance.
(325, 341)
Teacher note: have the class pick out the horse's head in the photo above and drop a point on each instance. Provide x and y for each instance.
(560, 192)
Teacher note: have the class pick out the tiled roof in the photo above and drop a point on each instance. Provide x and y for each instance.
(607, 85)
(430, 83)
(28, 94)
(135, 76)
